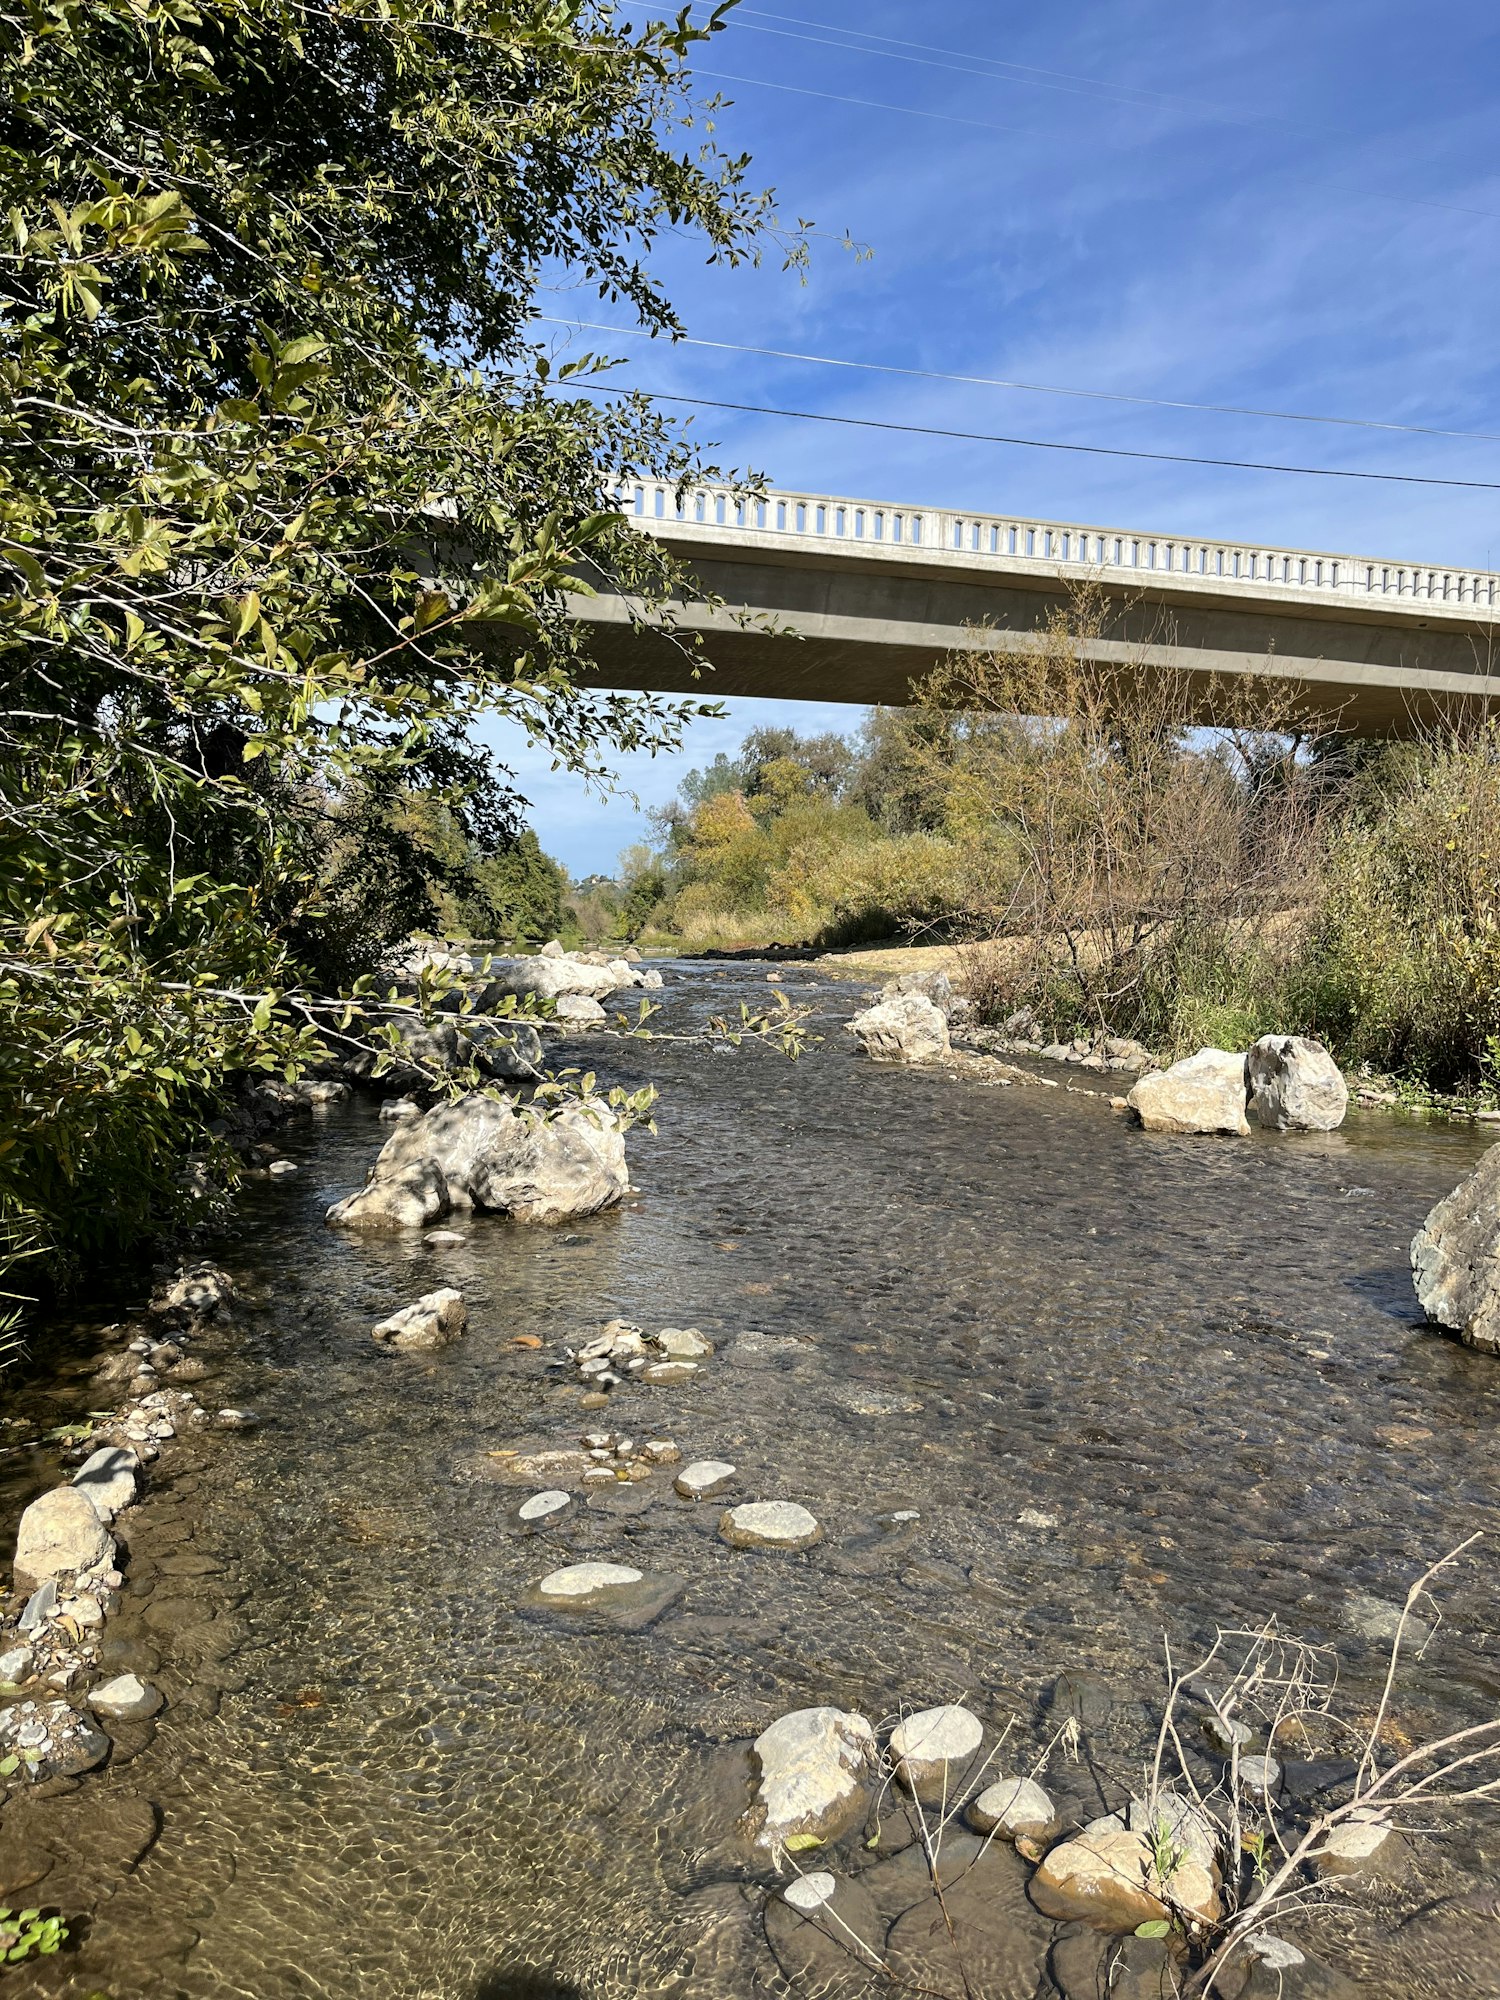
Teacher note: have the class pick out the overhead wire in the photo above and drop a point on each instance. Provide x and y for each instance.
(1048, 444)
(1030, 388)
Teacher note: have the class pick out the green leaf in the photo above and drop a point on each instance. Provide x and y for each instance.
(1157, 1927)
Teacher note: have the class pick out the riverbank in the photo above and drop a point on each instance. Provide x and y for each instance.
(1115, 1386)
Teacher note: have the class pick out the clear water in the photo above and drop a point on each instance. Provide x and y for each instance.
(377, 1777)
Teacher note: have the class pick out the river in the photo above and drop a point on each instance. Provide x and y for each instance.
(1199, 1359)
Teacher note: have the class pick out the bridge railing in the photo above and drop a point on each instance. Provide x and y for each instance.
(822, 517)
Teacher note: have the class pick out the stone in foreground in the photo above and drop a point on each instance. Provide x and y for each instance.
(434, 1320)
(1014, 1808)
(1455, 1258)
(1202, 1093)
(815, 1769)
(611, 1593)
(1109, 1880)
(934, 1748)
(488, 1153)
(907, 1028)
(1294, 1085)
(60, 1535)
(769, 1524)
(126, 1698)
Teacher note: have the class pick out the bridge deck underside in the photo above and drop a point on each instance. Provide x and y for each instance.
(863, 634)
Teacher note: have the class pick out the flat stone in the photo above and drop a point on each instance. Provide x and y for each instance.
(544, 1506)
(60, 1534)
(769, 1524)
(108, 1478)
(815, 1771)
(704, 1478)
(236, 1420)
(444, 1239)
(40, 1606)
(667, 1374)
(614, 1593)
(280, 1167)
(934, 1748)
(1013, 1807)
(125, 1699)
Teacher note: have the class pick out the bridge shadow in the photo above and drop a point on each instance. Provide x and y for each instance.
(524, 1982)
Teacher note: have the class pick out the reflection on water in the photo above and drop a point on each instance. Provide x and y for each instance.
(1199, 1358)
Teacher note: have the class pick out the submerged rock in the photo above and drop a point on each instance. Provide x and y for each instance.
(907, 1028)
(612, 1593)
(431, 1321)
(60, 1534)
(1294, 1085)
(815, 1770)
(51, 1739)
(826, 1935)
(1202, 1093)
(1455, 1258)
(769, 1524)
(488, 1153)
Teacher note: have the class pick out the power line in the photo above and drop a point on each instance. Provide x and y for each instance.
(864, 103)
(1051, 444)
(1035, 388)
(966, 68)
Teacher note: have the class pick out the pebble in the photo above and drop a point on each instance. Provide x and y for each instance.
(704, 1478)
(934, 1748)
(542, 1506)
(769, 1524)
(599, 1475)
(237, 1420)
(1259, 1776)
(282, 1167)
(614, 1592)
(15, 1664)
(443, 1239)
(1227, 1737)
(810, 1892)
(660, 1451)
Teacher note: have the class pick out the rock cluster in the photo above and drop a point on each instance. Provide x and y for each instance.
(491, 1153)
(1286, 1083)
(622, 1351)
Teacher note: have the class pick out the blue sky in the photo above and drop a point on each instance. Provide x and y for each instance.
(1293, 207)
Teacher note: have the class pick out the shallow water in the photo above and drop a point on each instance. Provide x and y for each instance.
(1202, 1358)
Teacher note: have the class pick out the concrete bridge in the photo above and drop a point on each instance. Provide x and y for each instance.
(828, 599)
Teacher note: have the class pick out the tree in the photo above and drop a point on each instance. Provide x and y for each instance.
(289, 496)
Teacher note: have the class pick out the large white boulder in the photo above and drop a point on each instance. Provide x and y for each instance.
(1455, 1258)
(1202, 1093)
(815, 1770)
(60, 1534)
(1294, 1085)
(550, 977)
(488, 1153)
(908, 1027)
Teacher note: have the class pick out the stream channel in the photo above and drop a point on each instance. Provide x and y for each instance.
(1200, 1360)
